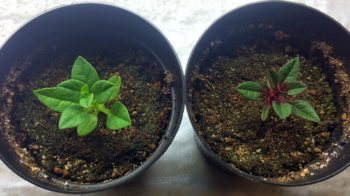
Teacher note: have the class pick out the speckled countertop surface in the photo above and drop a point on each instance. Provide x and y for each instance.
(181, 170)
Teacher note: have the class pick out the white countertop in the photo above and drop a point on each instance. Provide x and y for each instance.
(182, 169)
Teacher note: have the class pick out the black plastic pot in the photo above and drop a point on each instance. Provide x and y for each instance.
(303, 24)
(84, 23)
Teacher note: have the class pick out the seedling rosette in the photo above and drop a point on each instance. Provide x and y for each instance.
(83, 97)
(279, 92)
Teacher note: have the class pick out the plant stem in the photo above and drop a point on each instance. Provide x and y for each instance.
(102, 108)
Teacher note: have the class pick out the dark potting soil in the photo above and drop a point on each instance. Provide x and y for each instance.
(232, 125)
(32, 128)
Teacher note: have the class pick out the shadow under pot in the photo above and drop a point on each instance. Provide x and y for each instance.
(91, 96)
(268, 94)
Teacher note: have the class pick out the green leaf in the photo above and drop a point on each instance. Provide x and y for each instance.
(265, 112)
(83, 71)
(86, 101)
(72, 84)
(88, 126)
(84, 91)
(283, 110)
(102, 90)
(273, 78)
(73, 116)
(116, 80)
(250, 90)
(295, 88)
(290, 71)
(304, 110)
(57, 98)
(119, 117)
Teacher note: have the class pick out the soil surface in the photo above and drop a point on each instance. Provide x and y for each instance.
(232, 125)
(104, 154)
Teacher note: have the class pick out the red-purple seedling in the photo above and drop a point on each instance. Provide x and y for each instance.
(275, 94)
(281, 86)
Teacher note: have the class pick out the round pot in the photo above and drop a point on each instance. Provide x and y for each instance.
(80, 24)
(291, 25)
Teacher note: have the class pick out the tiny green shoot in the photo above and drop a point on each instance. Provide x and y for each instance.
(81, 98)
(279, 91)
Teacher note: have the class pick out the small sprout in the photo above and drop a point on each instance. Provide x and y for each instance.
(281, 86)
(83, 97)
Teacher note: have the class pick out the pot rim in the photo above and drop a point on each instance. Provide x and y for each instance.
(201, 142)
(164, 142)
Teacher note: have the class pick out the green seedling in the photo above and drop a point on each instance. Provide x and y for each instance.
(81, 99)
